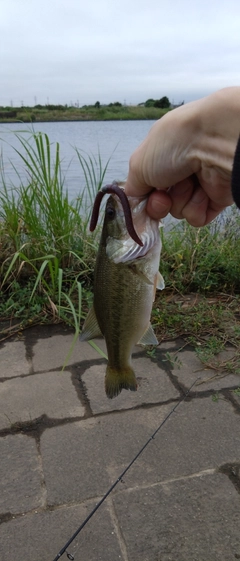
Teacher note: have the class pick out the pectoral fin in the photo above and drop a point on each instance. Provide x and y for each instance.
(90, 328)
(136, 269)
(149, 337)
(160, 281)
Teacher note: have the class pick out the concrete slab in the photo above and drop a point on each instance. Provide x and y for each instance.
(236, 396)
(173, 504)
(40, 536)
(165, 346)
(20, 475)
(93, 452)
(73, 463)
(26, 399)
(13, 361)
(192, 367)
(154, 386)
(192, 520)
(51, 353)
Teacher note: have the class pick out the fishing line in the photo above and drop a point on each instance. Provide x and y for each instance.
(64, 548)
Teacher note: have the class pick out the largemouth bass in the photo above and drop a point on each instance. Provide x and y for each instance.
(125, 281)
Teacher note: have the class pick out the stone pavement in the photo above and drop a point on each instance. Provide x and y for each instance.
(63, 443)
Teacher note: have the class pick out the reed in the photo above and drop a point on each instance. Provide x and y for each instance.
(44, 239)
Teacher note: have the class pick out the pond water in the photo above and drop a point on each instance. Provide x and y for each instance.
(111, 139)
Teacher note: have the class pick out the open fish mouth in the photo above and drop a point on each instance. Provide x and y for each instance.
(115, 190)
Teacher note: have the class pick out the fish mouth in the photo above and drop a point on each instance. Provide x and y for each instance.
(115, 190)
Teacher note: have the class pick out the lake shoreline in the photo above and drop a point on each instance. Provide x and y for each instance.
(5, 122)
(73, 114)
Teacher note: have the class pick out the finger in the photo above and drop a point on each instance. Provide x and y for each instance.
(200, 210)
(181, 194)
(159, 204)
(136, 185)
(195, 210)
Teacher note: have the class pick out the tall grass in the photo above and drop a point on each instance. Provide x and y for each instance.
(44, 239)
(205, 260)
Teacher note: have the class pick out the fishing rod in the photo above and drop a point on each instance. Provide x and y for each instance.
(68, 543)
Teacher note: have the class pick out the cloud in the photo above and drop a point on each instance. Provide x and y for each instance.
(64, 50)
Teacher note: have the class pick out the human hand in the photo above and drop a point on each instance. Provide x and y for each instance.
(187, 159)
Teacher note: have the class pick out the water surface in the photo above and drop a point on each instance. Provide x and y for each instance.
(112, 139)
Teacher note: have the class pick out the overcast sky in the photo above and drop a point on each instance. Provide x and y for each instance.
(69, 51)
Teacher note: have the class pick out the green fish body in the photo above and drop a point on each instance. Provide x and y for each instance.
(125, 281)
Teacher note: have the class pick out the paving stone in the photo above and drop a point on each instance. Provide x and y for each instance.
(52, 352)
(40, 536)
(26, 399)
(165, 346)
(154, 386)
(192, 368)
(20, 475)
(73, 461)
(200, 435)
(236, 397)
(13, 361)
(192, 520)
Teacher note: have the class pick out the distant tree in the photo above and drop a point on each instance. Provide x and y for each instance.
(97, 105)
(149, 103)
(163, 103)
(115, 104)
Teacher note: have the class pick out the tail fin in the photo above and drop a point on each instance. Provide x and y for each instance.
(116, 380)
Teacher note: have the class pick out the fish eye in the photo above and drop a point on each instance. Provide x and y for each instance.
(110, 211)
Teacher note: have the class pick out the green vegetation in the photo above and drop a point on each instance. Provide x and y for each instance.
(163, 103)
(47, 257)
(97, 112)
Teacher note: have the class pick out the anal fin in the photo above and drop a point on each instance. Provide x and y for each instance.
(90, 328)
(149, 337)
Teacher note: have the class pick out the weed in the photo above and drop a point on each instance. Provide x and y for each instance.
(203, 260)
(173, 359)
(44, 239)
(151, 352)
(209, 324)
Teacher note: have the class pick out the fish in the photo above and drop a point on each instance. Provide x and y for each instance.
(126, 277)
